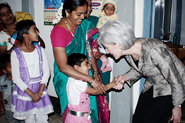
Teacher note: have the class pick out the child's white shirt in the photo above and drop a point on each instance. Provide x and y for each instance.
(32, 62)
(74, 89)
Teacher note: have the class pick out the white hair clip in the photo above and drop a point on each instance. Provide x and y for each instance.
(58, 15)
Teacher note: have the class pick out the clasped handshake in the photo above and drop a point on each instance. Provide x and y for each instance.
(117, 83)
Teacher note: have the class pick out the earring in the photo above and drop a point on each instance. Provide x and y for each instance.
(68, 16)
(120, 50)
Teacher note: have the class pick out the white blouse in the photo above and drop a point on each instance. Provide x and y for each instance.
(32, 62)
(4, 39)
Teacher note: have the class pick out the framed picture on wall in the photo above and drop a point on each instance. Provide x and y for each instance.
(50, 9)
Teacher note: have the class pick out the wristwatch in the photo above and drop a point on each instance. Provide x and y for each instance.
(178, 106)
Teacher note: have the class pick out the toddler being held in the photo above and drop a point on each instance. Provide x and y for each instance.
(109, 12)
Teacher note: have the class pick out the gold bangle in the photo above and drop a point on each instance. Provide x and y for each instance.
(92, 80)
(96, 72)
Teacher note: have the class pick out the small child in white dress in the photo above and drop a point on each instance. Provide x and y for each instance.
(78, 91)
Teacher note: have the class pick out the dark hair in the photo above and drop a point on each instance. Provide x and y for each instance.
(76, 59)
(4, 60)
(5, 5)
(23, 27)
(71, 5)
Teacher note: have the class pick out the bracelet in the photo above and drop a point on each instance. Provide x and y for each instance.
(96, 72)
(178, 106)
(92, 80)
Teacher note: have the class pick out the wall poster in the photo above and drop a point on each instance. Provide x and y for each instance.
(97, 6)
(50, 9)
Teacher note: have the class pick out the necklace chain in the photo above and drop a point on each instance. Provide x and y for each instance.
(71, 32)
(87, 42)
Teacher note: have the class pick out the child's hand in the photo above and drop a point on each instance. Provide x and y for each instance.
(40, 93)
(117, 85)
(35, 97)
(114, 81)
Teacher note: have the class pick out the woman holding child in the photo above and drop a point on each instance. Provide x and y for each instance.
(69, 36)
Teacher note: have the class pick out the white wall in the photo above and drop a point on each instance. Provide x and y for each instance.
(16, 5)
(123, 106)
(45, 32)
(139, 8)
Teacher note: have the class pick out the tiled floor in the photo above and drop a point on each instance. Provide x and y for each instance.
(52, 119)
(56, 119)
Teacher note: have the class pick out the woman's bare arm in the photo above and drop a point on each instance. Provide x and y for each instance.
(92, 91)
(61, 61)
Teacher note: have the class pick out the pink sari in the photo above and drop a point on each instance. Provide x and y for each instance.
(103, 112)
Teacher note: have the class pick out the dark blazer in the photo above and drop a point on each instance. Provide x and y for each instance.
(161, 68)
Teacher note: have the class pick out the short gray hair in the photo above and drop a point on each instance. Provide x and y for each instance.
(116, 32)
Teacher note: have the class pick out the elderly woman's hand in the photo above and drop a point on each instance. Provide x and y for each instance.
(176, 115)
(120, 82)
(119, 86)
(122, 79)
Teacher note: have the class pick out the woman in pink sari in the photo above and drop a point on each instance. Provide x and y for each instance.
(103, 68)
(103, 112)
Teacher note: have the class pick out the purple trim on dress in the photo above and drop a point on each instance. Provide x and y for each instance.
(24, 70)
(22, 62)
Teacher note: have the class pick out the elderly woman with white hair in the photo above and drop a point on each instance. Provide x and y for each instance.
(164, 89)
